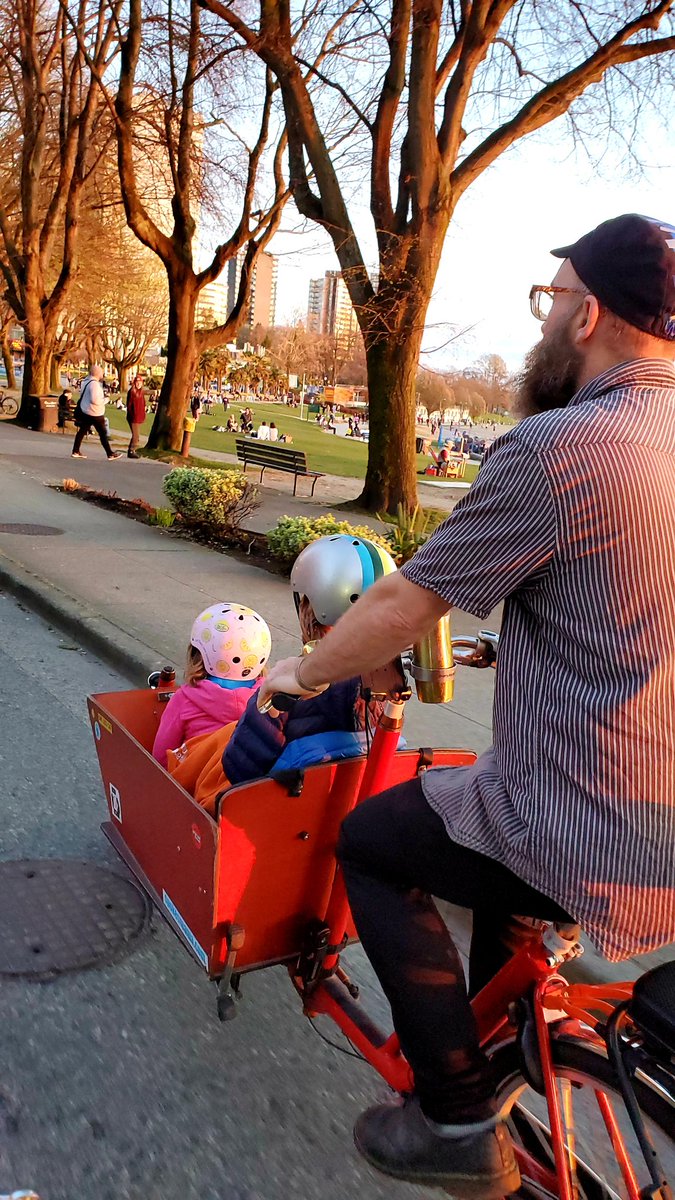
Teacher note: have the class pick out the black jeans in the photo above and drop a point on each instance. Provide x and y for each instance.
(97, 423)
(395, 854)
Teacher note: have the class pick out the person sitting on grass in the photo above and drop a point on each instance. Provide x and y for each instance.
(327, 577)
(441, 459)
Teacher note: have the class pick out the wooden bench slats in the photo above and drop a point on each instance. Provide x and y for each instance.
(278, 458)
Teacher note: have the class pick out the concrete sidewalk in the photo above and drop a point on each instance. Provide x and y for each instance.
(130, 593)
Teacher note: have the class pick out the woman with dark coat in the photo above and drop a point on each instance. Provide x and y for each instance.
(135, 414)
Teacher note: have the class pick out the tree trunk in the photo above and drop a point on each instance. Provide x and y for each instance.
(182, 355)
(8, 360)
(123, 377)
(35, 371)
(391, 477)
(55, 374)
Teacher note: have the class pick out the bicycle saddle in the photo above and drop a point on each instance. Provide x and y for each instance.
(652, 1006)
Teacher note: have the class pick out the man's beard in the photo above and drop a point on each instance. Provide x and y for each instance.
(550, 376)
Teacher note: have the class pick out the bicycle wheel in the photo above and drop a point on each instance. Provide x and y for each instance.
(581, 1070)
(10, 405)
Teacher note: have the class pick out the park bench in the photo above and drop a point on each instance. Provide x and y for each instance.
(279, 458)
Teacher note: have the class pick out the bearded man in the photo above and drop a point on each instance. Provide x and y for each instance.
(571, 814)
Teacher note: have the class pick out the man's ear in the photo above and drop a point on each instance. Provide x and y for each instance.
(586, 319)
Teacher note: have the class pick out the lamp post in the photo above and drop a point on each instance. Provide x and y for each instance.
(302, 394)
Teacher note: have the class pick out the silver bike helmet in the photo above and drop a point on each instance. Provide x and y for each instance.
(334, 571)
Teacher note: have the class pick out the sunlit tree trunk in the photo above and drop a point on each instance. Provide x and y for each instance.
(391, 476)
(181, 365)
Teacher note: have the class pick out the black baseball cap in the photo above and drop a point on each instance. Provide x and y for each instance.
(628, 263)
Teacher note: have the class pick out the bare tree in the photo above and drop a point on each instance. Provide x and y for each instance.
(49, 57)
(438, 89)
(7, 321)
(131, 324)
(493, 373)
(162, 121)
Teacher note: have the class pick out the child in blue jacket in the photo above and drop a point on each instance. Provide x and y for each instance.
(327, 577)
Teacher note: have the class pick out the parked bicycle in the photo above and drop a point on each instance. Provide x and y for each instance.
(9, 406)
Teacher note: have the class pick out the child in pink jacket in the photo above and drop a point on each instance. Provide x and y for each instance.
(229, 647)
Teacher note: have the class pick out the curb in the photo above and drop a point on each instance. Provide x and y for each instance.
(131, 657)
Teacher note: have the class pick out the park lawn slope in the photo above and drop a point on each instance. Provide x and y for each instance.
(325, 451)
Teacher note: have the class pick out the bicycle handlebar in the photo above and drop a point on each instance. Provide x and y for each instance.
(282, 702)
(483, 649)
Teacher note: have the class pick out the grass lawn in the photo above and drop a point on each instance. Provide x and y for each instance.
(325, 451)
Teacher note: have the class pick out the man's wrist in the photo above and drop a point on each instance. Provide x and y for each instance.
(302, 683)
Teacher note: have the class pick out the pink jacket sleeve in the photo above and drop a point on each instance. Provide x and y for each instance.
(171, 732)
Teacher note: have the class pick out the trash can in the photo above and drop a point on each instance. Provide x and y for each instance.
(43, 413)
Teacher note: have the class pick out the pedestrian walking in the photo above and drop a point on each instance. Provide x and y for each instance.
(90, 414)
(135, 414)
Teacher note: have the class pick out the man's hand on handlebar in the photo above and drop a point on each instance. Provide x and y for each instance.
(283, 678)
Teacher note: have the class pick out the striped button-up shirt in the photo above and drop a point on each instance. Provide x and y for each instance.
(571, 522)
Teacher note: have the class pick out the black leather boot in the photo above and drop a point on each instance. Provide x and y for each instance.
(470, 1161)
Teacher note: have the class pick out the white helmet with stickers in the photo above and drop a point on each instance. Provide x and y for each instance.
(233, 640)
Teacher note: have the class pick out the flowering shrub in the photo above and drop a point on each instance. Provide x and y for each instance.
(291, 534)
(220, 500)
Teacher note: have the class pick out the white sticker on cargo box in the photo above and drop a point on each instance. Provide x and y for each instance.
(185, 930)
(115, 803)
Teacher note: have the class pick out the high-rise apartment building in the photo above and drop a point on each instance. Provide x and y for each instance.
(314, 305)
(212, 305)
(330, 310)
(262, 303)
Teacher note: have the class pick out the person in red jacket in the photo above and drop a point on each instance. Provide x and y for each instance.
(135, 414)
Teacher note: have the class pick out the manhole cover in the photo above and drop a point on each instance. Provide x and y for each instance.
(58, 915)
(31, 530)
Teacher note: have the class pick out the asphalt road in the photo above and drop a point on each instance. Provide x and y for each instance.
(119, 1083)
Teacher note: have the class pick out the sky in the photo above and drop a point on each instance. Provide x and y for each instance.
(537, 196)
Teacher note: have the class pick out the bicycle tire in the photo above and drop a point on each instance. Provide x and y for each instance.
(585, 1064)
(10, 405)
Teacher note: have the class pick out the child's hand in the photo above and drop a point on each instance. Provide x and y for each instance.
(283, 677)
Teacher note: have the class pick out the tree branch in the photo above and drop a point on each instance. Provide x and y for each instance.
(483, 24)
(385, 117)
(138, 218)
(422, 147)
(557, 96)
(332, 83)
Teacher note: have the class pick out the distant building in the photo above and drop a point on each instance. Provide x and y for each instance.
(262, 303)
(337, 319)
(212, 305)
(314, 305)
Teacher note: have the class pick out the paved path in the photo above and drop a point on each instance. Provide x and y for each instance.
(47, 456)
